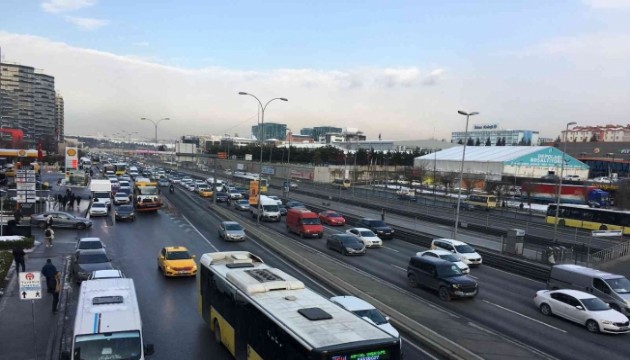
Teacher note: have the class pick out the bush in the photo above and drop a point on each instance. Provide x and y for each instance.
(6, 258)
(25, 243)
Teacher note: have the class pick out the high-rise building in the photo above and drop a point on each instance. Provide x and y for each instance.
(270, 131)
(27, 102)
(59, 117)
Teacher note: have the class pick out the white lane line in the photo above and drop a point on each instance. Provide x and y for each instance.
(512, 274)
(474, 277)
(390, 249)
(418, 348)
(398, 267)
(525, 316)
(200, 234)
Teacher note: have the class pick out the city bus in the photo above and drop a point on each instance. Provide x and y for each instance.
(260, 312)
(120, 168)
(477, 201)
(107, 324)
(343, 184)
(584, 217)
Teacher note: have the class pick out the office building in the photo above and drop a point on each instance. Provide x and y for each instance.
(28, 102)
(270, 131)
(483, 134)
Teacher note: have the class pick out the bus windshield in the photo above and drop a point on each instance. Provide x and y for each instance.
(118, 345)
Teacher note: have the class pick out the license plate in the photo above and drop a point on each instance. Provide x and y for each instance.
(182, 272)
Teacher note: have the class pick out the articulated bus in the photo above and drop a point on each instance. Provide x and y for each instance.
(343, 184)
(485, 202)
(261, 313)
(584, 217)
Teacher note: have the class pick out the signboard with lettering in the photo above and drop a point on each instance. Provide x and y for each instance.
(268, 170)
(72, 158)
(485, 126)
(30, 285)
(548, 157)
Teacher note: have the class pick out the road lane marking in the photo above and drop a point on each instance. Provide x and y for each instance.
(525, 316)
(512, 274)
(474, 277)
(398, 267)
(200, 234)
(390, 249)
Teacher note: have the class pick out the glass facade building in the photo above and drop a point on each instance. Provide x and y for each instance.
(270, 131)
(512, 137)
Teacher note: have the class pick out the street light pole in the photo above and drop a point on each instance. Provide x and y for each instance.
(461, 170)
(287, 174)
(155, 123)
(262, 122)
(559, 192)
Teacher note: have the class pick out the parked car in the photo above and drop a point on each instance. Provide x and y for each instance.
(231, 231)
(332, 218)
(582, 308)
(176, 261)
(61, 220)
(367, 236)
(441, 276)
(242, 205)
(98, 209)
(125, 212)
(381, 229)
(89, 243)
(446, 255)
(85, 261)
(345, 244)
(463, 251)
(367, 311)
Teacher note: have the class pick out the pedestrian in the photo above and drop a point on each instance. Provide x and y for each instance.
(64, 201)
(521, 206)
(18, 256)
(56, 291)
(78, 199)
(58, 203)
(71, 201)
(48, 271)
(49, 221)
(17, 215)
(49, 235)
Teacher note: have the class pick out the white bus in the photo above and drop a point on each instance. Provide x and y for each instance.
(259, 312)
(107, 324)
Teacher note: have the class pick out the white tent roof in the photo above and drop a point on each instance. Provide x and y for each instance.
(483, 153)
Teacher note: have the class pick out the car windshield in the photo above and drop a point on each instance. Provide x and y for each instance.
(177, 255)
(309, 221)
(92, 258)
(271, 208)
(449, 271)
(98, 205)
(90, 245)
(376, 223)
(449, 257)
(350, 241)
(367, 233)
(243, 202)
(619, 285)
(464, 249)
(373, 315)
(595, 304)
(233, 227)
(333, 215)
(125, 208)
(118, 345)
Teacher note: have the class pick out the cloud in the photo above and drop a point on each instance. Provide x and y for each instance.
(58, 6)
(87, 23)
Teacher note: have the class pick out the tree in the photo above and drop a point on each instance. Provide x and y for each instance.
(460, 142)
(594, 138)
(503, 141)
(470, 142)
(488, 143)
(478, 142)
(498, 143)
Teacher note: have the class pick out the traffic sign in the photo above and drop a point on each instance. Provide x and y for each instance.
(30, 285)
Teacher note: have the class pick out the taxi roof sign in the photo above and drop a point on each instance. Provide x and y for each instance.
(606, 233)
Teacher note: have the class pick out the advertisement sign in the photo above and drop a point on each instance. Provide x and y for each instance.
(298, 174)
(72, 158)
(268, 170)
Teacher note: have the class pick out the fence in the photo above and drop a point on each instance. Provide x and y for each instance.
(610, 254)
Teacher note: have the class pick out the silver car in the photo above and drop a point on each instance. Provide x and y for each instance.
(86, 261)
(242, 205)
(231, 231)
(61, 219)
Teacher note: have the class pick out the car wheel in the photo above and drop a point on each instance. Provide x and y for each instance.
(603, 227)
(591, 326)
(81, 226)
(219, 233)
(302, 235)
(217, 332)
(545, 309)
(412, 281)
(444, 295)
(41, 225)
(562, 222)
(344, 252)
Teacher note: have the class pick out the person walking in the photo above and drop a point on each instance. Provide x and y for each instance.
(58, 202)
(17, 215)
(49, 235)
(71, 201)
(48, 271)
(56, 291)
(64, 201)
(49, 221)
(18, 256)
(78, 199)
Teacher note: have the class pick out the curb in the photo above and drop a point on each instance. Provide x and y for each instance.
(54, 351)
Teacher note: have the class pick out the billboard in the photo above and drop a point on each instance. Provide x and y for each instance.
(72, 158)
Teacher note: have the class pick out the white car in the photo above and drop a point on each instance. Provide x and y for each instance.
(234, 194)
(89, 243)
(366, 311)
(461, 250)
(582, 308)
(367, 236)
(190, 186)
(446, 255)
(121, 198)
(98, 209)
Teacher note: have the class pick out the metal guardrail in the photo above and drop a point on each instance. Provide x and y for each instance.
(610, 254)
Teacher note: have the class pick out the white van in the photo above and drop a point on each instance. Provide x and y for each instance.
(463, 251)
(613, 289)
(116, 333)
(269, 209)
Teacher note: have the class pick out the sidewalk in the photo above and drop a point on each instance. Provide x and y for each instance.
(28, 328)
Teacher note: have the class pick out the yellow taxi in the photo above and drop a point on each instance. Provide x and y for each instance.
(206, 193)
(176, 261)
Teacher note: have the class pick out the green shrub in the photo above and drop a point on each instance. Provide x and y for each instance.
(25, 243)
(5, 263)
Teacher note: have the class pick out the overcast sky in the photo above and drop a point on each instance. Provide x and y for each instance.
(397, 68)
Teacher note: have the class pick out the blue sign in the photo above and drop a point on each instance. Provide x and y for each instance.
(268, 170)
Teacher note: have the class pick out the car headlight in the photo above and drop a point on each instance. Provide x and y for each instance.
(379, 231)
(607, 322)
(455, 286)
(349, 249)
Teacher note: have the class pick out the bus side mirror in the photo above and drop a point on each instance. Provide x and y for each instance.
(148, 349)
(65, 355)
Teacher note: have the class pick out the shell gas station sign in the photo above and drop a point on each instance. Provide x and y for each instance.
(72, 158)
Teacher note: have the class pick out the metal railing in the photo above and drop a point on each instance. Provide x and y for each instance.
(613, 253)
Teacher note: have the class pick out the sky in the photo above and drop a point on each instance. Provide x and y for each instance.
(398, 68)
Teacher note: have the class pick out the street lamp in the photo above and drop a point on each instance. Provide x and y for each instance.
(155, 123)
(262, 122)
(461, 170)
(287, 175)
(559, 192)
(611, 168)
